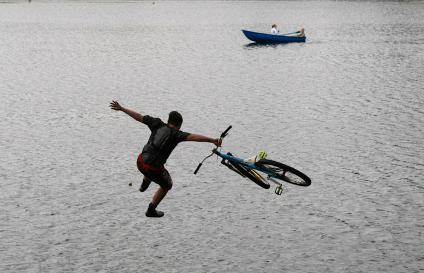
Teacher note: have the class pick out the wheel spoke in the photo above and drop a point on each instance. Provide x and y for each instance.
(294, 178)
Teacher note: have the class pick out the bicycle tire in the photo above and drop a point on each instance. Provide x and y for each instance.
(284, 172)
(252, 175)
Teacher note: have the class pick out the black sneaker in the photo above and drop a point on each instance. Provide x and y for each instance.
(152, 212)
(145, 185)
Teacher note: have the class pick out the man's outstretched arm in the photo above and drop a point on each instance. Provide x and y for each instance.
(200, 138)
(117, 107)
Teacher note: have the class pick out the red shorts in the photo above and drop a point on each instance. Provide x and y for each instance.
(159, 175)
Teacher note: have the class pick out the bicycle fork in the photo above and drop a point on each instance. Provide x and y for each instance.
(231, 167)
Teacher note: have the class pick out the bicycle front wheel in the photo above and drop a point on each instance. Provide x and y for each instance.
(283, 172)
(252, 175)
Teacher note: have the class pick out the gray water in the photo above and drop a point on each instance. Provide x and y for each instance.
(346, 108)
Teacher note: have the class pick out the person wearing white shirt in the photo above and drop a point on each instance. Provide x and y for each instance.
(274, 29)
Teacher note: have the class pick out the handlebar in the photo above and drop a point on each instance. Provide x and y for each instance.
(223, 134)
(198, 167)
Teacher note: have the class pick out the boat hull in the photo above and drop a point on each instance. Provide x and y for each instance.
(271, 38)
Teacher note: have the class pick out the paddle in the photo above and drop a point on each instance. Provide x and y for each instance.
(291, 33)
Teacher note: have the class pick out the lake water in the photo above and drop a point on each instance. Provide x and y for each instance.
(346, 108)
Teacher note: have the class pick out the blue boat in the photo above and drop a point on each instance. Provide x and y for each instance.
(266, 38)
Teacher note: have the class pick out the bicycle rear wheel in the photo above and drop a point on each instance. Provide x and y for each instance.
(250, 174)
(283, 172)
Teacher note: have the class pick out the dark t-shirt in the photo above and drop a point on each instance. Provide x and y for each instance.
(162, 141)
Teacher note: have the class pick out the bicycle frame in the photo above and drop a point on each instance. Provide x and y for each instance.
(247, 164)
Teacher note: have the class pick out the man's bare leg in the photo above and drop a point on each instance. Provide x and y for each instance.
(145, 184)
(157, 198)
(159, 195)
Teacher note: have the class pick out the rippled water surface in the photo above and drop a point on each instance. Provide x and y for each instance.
(346, 107)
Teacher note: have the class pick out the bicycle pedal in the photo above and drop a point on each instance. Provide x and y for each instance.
(279, 190)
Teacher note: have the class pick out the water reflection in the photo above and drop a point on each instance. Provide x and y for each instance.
(259, 45)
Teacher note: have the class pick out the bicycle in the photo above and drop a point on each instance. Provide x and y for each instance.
(261, 171)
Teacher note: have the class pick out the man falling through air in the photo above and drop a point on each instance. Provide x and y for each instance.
(162, 141)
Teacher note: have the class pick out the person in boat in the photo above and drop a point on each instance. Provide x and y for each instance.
(301, 32)
(162, 141)
(274, 29)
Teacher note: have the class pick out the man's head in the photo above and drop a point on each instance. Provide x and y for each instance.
(175, 119)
